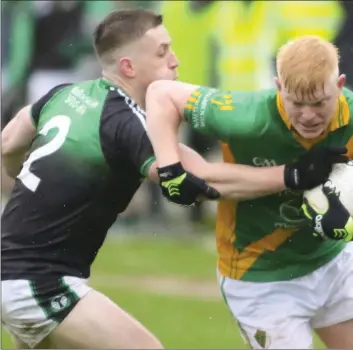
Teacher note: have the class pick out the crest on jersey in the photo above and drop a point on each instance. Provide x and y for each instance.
(261, 337)
(59, 303)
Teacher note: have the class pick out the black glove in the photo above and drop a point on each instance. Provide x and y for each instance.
(335, 223)
(313, 168)
(183, 188)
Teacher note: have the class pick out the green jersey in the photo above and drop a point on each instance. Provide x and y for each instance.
(85, 164)
(264, 239)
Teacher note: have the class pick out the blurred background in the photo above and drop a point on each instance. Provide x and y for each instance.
(159, 261)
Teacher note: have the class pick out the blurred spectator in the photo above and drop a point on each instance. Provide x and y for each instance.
(250, 32)
(16, 52)
(56, 47)
(245, 32)
(190, 26)
(322, 18)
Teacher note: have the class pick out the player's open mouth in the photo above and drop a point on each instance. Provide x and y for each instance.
(311, 127)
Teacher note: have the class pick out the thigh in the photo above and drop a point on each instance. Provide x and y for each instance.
(338, 336)
(338, 282)
(97, 323)
(31, 310)
(270, 315)
(334, 320)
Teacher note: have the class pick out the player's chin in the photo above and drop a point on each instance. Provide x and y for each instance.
(310, 133)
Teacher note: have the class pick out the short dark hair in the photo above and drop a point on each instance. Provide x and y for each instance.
(122, 27)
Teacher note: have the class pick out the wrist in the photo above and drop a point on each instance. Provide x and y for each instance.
(166, 159)
(170, 171)
(290, 176)
(280, 175)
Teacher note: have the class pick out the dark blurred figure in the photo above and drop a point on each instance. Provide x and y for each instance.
(56, 48)
(344, 42)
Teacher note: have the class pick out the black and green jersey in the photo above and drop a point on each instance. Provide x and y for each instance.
(87, 161)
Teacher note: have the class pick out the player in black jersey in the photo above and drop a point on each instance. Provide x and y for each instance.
(88, 152)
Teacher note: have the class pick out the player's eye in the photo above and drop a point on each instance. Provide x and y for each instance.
(162, 53)
(318, 104)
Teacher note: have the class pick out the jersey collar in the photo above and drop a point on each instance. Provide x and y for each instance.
(110, 85)
(340, 119)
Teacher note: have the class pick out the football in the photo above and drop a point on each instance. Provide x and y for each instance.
(341, 178)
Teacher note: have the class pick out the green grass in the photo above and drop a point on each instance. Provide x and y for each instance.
(157, 256)
(179, 322)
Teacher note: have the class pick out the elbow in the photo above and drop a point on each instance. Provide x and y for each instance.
(8, 167)
(160, 104)
(158, 91)
(160, 86)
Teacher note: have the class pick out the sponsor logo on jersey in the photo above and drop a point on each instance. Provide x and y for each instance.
(263, 162)
(79, 93)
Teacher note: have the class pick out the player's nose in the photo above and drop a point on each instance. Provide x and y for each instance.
(308, 113)
(174, 62)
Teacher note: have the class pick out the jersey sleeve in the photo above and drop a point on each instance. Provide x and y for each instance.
(125, 136)
(37, 107)
(222, 114)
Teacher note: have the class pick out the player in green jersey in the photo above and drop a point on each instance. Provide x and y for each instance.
(278, 279)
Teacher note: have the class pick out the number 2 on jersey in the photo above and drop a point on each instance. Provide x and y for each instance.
(62, 123)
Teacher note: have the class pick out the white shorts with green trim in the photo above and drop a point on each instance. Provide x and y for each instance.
(282, 315)
(32, 309)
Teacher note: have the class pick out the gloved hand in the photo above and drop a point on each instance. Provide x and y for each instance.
(335, 222)
(183, 188)
(313, 168)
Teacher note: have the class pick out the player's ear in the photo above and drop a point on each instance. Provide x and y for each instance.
(126, 67)
(277, 83)
(341, 81)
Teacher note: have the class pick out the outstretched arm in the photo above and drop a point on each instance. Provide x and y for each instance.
(166, 101)
(232, 181)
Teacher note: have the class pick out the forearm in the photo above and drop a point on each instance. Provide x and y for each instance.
(234, 181)
(163, 121)
(241, 182)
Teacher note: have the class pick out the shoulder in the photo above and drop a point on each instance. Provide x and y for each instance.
(346, 100)
(37, 107)
(348, 94)
(122, 120)
(251, 106)
(119, 108)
